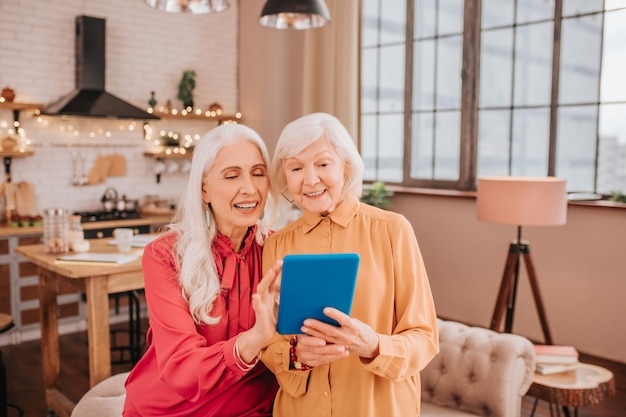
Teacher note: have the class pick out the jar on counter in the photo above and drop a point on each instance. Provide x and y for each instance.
(55, 230)
(75, 233)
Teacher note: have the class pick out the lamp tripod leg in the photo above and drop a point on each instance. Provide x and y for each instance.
(534, 284)
(505, 287)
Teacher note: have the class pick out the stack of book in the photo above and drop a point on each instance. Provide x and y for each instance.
(552, 359)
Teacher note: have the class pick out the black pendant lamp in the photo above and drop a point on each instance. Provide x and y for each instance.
(189, 6)
(294, 14)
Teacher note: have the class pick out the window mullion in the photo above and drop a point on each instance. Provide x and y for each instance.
(469, 94)
(408, 90)
(554, 97)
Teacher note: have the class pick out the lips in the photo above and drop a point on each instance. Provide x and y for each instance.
(246, 206)
(315, 194)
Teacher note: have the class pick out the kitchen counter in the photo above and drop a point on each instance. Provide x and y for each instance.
(144, 220)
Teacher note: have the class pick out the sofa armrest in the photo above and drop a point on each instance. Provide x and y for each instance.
(479, 370)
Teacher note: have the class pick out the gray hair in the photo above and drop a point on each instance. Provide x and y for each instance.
(302, 132)
(197, 273)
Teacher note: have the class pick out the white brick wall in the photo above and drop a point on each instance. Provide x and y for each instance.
(146, 50)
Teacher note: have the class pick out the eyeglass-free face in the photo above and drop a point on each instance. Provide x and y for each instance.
(236, 187)
(315, 177)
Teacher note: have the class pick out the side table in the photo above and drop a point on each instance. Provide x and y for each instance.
(587, 385)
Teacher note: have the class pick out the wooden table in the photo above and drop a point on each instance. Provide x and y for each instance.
(587, 385)
(97, 282)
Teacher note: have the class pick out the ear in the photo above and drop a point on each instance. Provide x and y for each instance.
(205, 194)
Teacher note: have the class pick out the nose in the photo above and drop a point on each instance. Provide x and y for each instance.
(310, 176)
(247, 184)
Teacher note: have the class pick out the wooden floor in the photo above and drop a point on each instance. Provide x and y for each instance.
(25, 383)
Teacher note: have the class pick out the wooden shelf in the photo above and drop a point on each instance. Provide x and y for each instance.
(169, 155)
(20, 106)
(15, 154)
(198, 117)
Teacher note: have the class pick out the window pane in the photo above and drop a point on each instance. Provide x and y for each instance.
(450, 17)
(533, 64)
(391, 78)
(422, 146)
(391, 148)
(447, 147)
(612, 150)
(613, 77)
(575, 7)
(496, 68)
(576, 146)
(369, 33)
(493, 142)
(534, 10)
(368, 145)
(581, 41)
(530, 142)
(497, 13)
(424, 75)
(614, 4)
(449, 57)
(369, 90)
(393, 17)
(424, 19)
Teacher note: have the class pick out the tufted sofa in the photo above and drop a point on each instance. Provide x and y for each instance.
(478, 372)
(105, 399)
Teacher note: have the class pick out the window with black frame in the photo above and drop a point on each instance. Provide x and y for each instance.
(494, 87)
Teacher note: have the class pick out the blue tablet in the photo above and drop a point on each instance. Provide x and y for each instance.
(311, 282)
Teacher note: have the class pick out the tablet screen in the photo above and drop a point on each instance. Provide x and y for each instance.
(311, 282)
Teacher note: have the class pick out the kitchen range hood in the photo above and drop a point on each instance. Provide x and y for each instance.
(90, 99)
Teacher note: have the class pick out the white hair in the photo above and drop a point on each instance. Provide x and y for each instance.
(302, 132)
(198, 277)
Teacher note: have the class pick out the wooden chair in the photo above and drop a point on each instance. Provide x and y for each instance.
(6, 323)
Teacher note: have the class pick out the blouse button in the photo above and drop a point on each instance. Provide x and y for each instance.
(325, 393)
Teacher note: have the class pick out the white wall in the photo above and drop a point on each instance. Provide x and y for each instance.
(146, 50)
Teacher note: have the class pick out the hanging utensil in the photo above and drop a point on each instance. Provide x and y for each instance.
(83, 174)
(74, 179)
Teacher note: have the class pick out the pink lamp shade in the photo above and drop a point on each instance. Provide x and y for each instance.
(522, 201)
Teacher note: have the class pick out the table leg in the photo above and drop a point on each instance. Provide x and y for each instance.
(98, 329)
(532, 413)
(50, 359)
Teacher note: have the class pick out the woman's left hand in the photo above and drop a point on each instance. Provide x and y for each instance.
(357, 337)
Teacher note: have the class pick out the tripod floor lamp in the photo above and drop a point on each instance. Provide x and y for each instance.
(520, 201)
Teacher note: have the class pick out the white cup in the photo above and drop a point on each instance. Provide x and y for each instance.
(123, 238)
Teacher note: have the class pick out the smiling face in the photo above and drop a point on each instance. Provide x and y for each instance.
(315, 177)
(236, 187)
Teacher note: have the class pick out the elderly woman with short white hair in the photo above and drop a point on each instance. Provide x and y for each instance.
(368, 366)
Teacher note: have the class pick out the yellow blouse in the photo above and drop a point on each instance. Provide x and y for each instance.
(392, 295)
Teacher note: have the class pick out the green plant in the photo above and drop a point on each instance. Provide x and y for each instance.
(618, 196)
(185, 88)
(376, 195)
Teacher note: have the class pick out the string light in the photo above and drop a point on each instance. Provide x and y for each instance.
(188, 111)
(81, 128)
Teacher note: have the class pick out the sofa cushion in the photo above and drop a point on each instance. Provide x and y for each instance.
(105, 399)
(431, 410)
(478, 370)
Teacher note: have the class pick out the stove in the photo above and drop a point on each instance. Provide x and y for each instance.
(100, 216)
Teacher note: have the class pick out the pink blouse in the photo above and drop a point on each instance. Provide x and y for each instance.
(188, 369)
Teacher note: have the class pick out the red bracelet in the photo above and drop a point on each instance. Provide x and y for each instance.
(301, 366)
